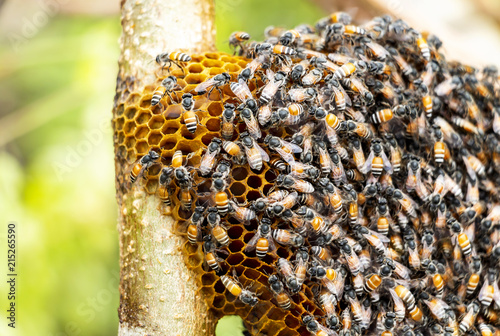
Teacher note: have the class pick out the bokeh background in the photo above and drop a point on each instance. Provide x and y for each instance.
(58, 64)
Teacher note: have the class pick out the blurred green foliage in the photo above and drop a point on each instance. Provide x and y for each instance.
(56, 156)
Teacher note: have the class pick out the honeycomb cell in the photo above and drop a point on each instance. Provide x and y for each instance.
(130, 112)
(235, 258)
(141, 132)
(231, 68)
(213, 124)
(156, 122)
(237, 189)
(236, 246)
(142, 147)
(195, 78)
(130, 142)
(173, 112)
(219, 301)
(239, 173)
(133, 99)
(212, 63)
(195, 68)
(129, 127)
(119, 123)
(215, 109)
(254, 182)
(154, 138)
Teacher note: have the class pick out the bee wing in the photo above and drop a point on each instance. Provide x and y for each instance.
(496, 293)
(270, 240)
(470, 231)
(470, 171)
(402, 270)
(207, 162)
(387, 162)
(263, 153)
(246, 89)
(202, 87)
(252, 242)
(292, 146)
(285, 155)
(380, 236)
(253, 127)
(368, 164)
(483, 290)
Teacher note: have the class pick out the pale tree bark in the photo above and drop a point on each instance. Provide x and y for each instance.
(158, 293)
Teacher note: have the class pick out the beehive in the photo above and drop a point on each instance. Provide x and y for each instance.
(140, 127)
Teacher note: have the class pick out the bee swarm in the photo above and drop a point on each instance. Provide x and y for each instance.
(377, 180)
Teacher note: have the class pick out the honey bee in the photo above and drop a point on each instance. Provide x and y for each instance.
(164, 185)
(237, 39)
(284, 148)
(406, 203)
(356, 84)
(227, 128)
(300, 95)
(288, 238)
(218, 230)
(405, 67)
(213, 83)
(348, 69)
(338, 173)
(290, 37)
(277, 289)
(351, 257)
(377, 161)
(470, 317)
(219, 185)
(276, 81)
(143, 165)
(194, 226)
(341, 97)
(174, 57)
(241, 214)
(209, 158)
(264, 115)
(190, 117)
(255, 154)
(315, 328)
(290, 182)
(252, 126)
(241, 90)
(233, 287)
(312, 77)
(328, 303)
(489, 291)
(185, 183)
(233, 149)
(446, 87)
(210, 256)
(318, 223)
(361, 129)
(332, 195)
(424, 48)
(301, 258)
(285, 268)
(387, 114)
(263, 240)
(167, 86)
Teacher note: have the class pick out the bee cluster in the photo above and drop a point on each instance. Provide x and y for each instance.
(371, 167)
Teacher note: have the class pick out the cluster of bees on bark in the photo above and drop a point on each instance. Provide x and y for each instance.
(387, 192)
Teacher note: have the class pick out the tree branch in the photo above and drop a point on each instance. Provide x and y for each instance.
(158, 293)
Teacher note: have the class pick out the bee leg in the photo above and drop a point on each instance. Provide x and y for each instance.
(180, 67)
(220, 93)
(170, 96)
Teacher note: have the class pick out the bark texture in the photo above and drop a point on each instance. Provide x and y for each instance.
(158, 294)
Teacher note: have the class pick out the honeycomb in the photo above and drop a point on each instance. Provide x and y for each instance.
(139, 128)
